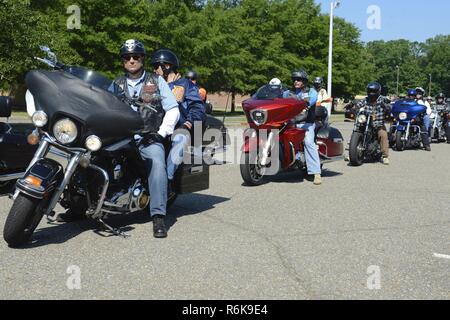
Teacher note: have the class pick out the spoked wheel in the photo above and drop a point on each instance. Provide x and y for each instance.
(356, 151)
(399, 143)
(251, 170)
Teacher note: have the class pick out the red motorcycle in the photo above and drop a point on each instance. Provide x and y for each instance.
(273, 143)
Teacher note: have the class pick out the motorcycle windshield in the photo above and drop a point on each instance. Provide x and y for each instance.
(271, 92)
(89, 76)
(411, 107)
(61, 94)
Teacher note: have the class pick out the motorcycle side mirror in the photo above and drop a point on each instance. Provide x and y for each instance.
(5, 106)
(51, 56)
(45, 48)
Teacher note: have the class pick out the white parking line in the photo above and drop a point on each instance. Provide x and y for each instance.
(443, 256)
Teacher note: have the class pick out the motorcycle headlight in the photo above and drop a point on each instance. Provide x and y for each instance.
(362, 118)
(39, 118)
(402, 116)
(93, 143)
(65, 131)
(259, 117)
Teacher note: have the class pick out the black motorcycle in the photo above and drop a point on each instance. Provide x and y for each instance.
(88, 160)
(15, 151)
(364, 143)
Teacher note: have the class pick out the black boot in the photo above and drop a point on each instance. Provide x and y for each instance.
(426, 141)
(159, 228)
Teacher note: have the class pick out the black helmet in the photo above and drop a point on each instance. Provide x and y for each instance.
(165, 56)
(318, 80)
(373, 90)
(132, 46)
(440, 96)
(301, 75)
(192, 75)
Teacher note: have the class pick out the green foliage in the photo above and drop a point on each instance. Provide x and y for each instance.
(235, 45)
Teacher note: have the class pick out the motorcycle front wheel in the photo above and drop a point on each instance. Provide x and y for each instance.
(399, 143)
(250, 170)
(356, 149)
(22, 220)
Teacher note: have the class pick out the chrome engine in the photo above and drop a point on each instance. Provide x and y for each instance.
(136, 198)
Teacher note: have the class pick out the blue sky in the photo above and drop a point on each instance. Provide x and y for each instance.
(400, 19)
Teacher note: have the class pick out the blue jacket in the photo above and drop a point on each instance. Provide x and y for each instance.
(189, 102)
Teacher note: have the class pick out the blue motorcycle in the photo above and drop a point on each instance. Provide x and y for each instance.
(407, 128)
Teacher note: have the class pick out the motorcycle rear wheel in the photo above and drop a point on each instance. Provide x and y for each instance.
(249, 171)
(355, 150)
(22, 220)
(399, 143)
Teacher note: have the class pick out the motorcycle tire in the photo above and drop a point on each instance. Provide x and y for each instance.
(22, 220)
(447, 133)
(399, 143)
(249, 171)
(356, 158)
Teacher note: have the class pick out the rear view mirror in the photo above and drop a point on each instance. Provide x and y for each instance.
(5, 106)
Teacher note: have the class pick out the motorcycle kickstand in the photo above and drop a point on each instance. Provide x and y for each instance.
(114, 231)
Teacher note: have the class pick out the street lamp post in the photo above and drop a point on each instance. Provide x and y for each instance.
(334, 5)
(429, 88)
(398, 77)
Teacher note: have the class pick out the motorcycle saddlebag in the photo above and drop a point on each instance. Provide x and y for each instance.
(192, 177)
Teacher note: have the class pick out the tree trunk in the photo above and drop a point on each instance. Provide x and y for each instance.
(233, 102)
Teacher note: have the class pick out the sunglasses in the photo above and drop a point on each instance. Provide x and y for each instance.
(128, 57)
(298, 79)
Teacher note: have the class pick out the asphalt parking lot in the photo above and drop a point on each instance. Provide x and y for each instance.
(372, 232)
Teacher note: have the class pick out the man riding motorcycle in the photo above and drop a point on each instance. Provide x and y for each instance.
(190, 104)
(376, 104)
(135, 87)
(303, 92)
(421, 100)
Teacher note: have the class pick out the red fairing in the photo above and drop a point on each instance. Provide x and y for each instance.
(278, 111)
(295, 137)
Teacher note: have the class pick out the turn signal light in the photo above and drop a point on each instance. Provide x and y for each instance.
(32, 139)
(34, 181)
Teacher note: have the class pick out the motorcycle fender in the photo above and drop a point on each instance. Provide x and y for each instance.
(400, 127)
(41, 179)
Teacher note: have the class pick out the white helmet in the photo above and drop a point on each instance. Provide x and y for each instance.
(275, 82)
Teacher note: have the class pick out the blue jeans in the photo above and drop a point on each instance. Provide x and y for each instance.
(175, 157)
(427, 122)
(311, 150)
(154, 156)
